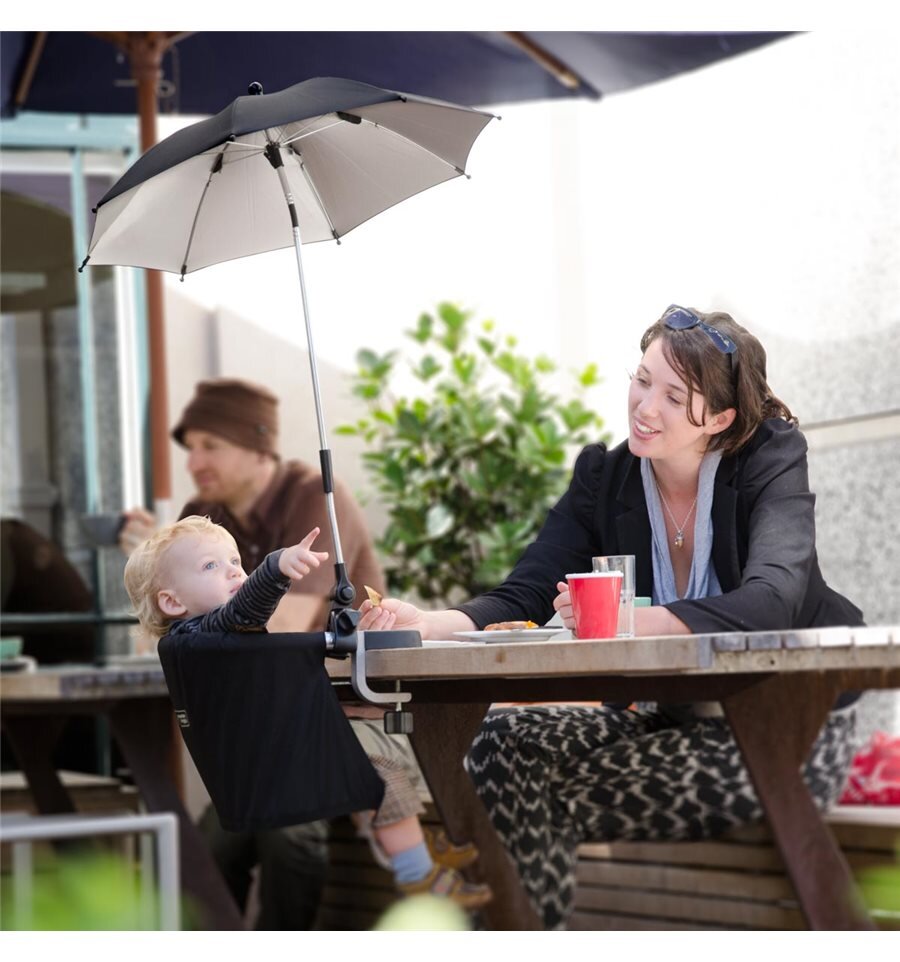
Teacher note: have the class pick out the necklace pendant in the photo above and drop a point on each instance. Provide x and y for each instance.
(679, 539)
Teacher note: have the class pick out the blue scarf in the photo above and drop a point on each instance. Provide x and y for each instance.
(702, 582)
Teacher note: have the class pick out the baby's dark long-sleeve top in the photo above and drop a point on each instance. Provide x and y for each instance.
(250, 608)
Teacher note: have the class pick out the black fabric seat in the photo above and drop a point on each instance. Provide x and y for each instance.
(265, 729)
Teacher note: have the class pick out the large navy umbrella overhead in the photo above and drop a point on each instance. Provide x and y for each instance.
(194, 73)
(269, 171)
(80, 72)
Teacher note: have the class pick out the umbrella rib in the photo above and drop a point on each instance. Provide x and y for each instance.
(216, 168)
(303, 128)
(236, 159)
(413, 143)
(239, 143)
(309, 133)
(315, 194)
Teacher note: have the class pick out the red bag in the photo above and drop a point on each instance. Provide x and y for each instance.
(874, 777)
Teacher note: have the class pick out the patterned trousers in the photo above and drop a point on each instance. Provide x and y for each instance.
(553, 777)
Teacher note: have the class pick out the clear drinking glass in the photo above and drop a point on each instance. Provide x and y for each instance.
(625, 564)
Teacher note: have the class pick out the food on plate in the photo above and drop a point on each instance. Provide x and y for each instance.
(374, 596)
(511, 625)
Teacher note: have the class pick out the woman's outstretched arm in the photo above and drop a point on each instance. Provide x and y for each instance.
(401, 615)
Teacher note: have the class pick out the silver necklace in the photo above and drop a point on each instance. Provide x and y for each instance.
(679, 528)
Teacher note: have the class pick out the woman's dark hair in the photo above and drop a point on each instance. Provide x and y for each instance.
(704, 368)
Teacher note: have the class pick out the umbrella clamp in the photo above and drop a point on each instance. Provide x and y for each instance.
(344, 640)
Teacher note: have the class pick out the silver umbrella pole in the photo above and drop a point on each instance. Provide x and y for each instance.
(344, 592)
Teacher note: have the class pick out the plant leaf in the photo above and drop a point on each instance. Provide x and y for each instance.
(438, 521)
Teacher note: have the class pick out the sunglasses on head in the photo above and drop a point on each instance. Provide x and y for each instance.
(681, 319)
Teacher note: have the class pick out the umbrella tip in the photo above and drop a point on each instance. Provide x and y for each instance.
(255, 88)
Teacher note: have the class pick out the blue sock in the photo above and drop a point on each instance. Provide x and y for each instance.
(411, 865)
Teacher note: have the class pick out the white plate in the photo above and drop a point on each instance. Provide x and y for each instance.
(132, 661)
(520, 634)
(19, 663)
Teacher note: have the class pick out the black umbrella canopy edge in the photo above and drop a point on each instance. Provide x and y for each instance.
(614, 62)
(251, 113)
(187, 268)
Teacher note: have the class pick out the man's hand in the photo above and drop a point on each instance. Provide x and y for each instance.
(296, 561)
(139, 526)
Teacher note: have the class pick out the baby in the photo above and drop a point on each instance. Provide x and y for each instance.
(188, 577)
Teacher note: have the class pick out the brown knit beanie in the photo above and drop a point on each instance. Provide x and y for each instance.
(245, 414)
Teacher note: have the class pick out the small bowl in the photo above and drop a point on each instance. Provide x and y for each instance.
(10, 648)
(103, 529)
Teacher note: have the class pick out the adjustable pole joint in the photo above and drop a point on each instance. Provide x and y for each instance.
(327, 473)
(273, 155)
(343, 592)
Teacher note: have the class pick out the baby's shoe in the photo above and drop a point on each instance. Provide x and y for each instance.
(444, 852)
(448, 883)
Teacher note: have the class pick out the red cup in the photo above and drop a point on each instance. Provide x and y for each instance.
(595, 601)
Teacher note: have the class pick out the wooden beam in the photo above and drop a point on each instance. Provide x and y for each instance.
(28, 71)
(560, 72)
(440, 739)
(775, 723)
(145, 51)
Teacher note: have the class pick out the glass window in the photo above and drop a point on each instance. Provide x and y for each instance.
(69, 431)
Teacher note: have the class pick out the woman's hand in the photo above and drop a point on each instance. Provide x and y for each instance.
(392, 613)
(648, 621)
(563, 604)
(402, 616)
(656, 621)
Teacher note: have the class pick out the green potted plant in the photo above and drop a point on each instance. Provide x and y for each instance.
(89, 891)
(468, 468)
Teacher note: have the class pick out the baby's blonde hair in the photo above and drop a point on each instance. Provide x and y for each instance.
(142, 570)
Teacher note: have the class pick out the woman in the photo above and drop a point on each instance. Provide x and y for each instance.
(710, 494)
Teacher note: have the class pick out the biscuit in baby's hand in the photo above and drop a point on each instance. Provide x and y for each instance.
(374, 596)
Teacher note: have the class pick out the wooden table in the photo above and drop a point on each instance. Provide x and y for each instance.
(35, 706)
(775, 688)
(792, 677)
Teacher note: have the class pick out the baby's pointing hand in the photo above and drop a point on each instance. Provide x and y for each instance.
(296, 561)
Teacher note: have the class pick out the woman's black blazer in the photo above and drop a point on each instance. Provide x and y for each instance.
(764, 541)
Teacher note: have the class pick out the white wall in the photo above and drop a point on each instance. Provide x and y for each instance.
(767, 185)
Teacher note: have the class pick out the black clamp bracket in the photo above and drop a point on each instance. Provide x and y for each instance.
(343, 639)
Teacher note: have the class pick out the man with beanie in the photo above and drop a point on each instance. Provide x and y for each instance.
(230, 431)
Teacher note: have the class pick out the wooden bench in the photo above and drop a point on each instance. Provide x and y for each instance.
(736, 882)
(90, 794)
(357, 889)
